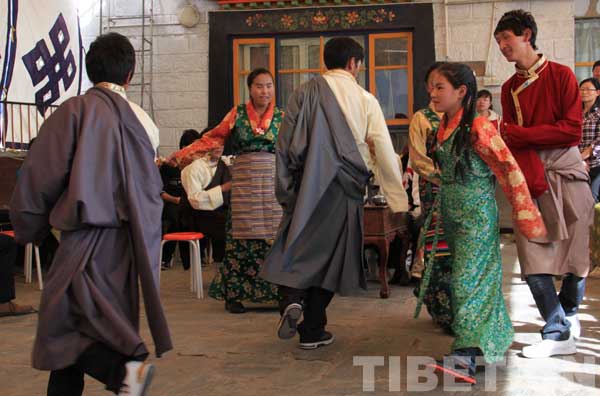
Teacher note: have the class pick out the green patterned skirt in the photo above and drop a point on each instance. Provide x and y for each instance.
(237, 279)
(437, 296)
(480, 315)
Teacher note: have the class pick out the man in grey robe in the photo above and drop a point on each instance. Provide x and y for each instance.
(92, 176)
(323, 164)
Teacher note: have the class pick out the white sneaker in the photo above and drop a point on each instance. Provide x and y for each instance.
(575, 326)
(137, 379)
(547, 348)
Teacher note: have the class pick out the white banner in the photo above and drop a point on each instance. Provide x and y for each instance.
(42, 63)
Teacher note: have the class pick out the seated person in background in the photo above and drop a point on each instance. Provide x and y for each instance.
(172, 191)
(205, 201)
(596, 70)
(8, 255)
(486, 109)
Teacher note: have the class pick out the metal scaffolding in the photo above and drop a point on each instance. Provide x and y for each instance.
(133, 26)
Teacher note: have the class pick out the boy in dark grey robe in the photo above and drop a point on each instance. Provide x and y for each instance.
(92, 176)
(323, 165)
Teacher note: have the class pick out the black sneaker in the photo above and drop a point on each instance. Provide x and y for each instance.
(287, 326)
(325, 339)
(235, 307)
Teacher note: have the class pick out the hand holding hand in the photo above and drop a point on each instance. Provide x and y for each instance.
(170, 161)
(586, 152)
(226, 186)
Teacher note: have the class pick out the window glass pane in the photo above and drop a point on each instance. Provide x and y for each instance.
(244, 92)
(391, 51)
(362, 79)
(583, 72)
(299, 53)
(252, 56)
(288, 83)
(587, 40)
(314, 56)
(392, 92)
(289, 57)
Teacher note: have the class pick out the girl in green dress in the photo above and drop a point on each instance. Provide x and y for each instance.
(469, 152)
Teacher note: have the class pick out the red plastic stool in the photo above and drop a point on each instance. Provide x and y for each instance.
(193, 238)
(30, 249)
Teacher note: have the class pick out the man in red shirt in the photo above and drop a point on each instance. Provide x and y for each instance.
(542, 115)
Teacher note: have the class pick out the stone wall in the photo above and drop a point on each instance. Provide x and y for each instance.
(470, 35)
(179, 62)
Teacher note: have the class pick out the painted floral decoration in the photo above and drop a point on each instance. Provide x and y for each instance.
(320, 20)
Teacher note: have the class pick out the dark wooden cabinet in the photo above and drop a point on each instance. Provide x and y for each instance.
(381, 227)
(8, 179)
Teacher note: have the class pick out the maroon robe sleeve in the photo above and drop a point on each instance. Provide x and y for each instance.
(528, 160)
(43, 176)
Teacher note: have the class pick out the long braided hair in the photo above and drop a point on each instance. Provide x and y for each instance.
(459, 74)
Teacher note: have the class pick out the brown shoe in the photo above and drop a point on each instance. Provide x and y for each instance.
(12, 309)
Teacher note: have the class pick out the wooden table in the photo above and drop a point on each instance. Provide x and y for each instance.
(381, 226)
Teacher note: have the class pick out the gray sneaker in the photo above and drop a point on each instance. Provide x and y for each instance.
(286, 328)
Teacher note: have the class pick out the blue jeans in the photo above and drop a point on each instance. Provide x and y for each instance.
(554, 308)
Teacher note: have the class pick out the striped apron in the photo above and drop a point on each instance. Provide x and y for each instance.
(255, 212)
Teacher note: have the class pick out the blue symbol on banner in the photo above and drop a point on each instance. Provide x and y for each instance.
(58, 67)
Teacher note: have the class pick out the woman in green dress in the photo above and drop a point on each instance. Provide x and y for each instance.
(469, 152)
(251, 131)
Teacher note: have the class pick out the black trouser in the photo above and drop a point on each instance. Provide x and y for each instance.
(171, 223)
(212, 225)
(314, 302)
(99, 362)
(8, 255)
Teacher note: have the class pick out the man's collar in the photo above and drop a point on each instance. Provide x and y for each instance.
(113, 87)
(341, 73)
(533, 70)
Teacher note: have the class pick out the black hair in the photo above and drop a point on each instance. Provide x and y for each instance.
(255, 73)
(111, 58)
(517, 21)
(596, 64)
(484, 93)
(459, 74)
(596, 85)
(188, 137)
(339, 50)
(431, 69)
(205, 131)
